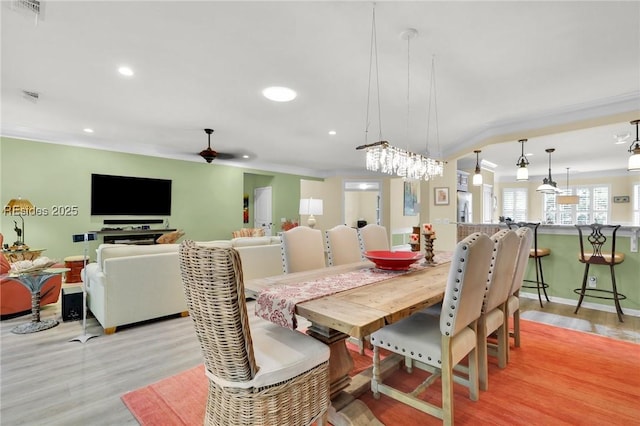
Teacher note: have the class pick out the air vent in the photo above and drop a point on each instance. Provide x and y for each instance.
(32, 96)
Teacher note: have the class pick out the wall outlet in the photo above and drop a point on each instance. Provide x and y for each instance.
(592, 281)
(634, 241)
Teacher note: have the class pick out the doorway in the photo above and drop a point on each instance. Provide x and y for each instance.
(262, 209)
(362, 201)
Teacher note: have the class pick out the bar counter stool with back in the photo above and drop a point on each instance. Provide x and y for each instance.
(536, 253)
(593, 239)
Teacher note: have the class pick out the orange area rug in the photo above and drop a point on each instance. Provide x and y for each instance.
(557, 377)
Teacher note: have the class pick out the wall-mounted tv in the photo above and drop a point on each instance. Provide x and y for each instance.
(128, 195)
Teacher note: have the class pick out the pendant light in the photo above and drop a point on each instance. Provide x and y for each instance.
(381, 156)
(568, 198)
(477, 176)
(548, 185)
(634, 160)
(523, 172)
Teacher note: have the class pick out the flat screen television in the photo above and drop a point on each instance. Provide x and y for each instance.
(128, 195)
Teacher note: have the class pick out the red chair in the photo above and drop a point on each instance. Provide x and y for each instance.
(15, 299)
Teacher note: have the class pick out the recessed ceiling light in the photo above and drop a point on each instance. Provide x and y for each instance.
(88, 130)
(245, 156)
(279, 94)
(126, 71)
(332, 132)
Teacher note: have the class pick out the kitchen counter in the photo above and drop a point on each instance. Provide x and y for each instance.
(563, 272)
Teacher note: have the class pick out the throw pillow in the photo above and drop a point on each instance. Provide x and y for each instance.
(170, 237)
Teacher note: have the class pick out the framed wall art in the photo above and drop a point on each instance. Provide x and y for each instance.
(441, 196)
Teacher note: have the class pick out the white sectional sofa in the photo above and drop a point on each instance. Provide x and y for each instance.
(133, 283)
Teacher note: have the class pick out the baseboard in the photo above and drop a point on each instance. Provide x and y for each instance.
(588, 305)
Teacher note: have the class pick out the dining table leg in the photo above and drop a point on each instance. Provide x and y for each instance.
(340, 360)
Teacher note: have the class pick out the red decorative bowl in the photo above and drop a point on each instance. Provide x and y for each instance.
(393, 260)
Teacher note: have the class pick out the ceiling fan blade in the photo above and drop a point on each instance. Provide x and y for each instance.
(226, 156)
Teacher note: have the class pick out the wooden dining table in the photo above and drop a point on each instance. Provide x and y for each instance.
(358, 312)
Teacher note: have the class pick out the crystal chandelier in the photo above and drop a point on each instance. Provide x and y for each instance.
(383, 157)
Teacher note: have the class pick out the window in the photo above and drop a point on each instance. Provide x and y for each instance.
(636, 204)
(514, 204)
(593, 206)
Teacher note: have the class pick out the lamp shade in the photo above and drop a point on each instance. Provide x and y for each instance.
(477, 179)
(634, 160)
(545, 188)
(18, 207)
(523, 173)
(567, 199)
(310, 206)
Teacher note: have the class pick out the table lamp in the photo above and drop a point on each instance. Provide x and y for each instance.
(311, 207)
(19, 206)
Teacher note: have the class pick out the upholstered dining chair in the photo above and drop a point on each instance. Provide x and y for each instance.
(343, 245)
(438, 344)
(598, 247)
(494, 316)
(513, 303)
(536, 253)
(302, 249)
(270, 376)
(373, 237)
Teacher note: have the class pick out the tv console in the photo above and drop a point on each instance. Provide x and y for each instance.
(145, 236)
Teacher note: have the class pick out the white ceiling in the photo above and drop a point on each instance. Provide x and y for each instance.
(504, 71)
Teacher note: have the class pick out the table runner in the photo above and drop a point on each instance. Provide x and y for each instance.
(277, 303)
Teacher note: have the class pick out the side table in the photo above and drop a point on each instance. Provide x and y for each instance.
(34, 281)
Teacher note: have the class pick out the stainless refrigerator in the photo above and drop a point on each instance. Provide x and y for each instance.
(464, 207)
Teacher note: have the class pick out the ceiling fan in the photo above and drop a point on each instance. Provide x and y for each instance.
(209, 154)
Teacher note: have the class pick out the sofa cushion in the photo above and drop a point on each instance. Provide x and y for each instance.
(109, 251)
(215, 243)
(250, 241)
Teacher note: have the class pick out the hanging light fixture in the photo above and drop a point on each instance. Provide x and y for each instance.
(523, 172)
(548, 185)
(383, 157)
(634, 160)
(477, 175)
(567, 198)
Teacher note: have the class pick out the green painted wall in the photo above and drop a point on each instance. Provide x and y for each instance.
(563, 272)
(207, 198)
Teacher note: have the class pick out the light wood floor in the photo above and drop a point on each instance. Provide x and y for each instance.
(46, 379)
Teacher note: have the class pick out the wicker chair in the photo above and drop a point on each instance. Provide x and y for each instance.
(438, 344)
(273, 376)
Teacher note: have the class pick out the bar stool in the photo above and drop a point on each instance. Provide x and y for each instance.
(536, 253)
(595, 237)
